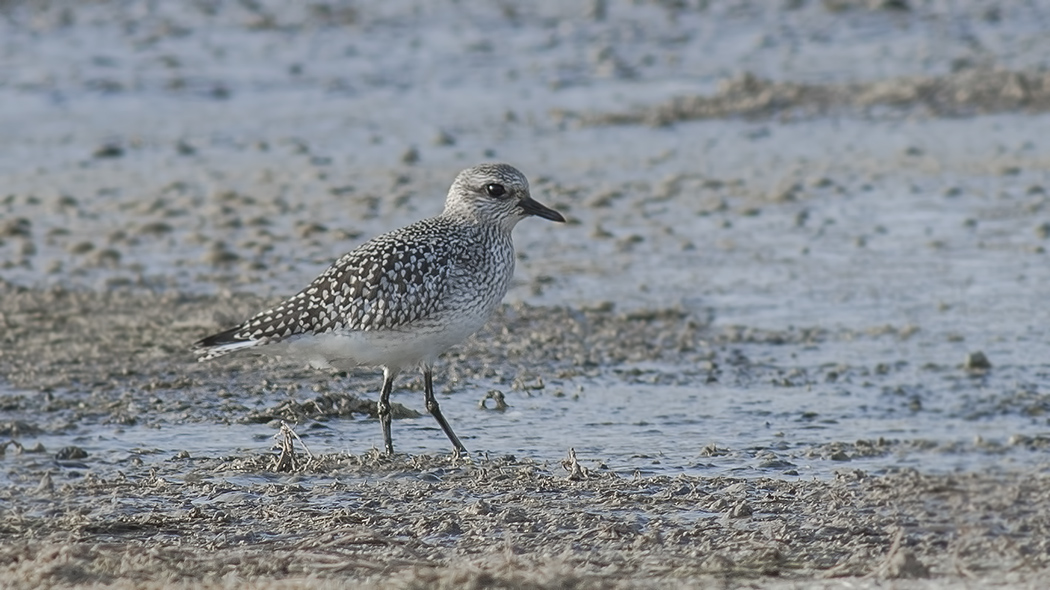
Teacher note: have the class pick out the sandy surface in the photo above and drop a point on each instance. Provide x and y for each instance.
(794, 333)
(515, 523)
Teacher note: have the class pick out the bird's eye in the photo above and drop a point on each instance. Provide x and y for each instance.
(495, 190)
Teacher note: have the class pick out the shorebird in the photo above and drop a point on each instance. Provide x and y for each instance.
(401, 299)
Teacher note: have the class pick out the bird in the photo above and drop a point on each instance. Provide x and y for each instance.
(401, 299)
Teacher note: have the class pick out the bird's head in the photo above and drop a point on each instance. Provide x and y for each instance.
(497, 194)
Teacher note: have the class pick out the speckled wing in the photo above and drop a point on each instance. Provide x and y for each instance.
(389, 282)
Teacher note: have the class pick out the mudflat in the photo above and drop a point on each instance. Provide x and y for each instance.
(794, 334)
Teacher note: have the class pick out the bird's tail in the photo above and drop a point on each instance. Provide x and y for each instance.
(222, 343)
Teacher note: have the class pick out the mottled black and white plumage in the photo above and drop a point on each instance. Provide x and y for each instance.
(402, 298)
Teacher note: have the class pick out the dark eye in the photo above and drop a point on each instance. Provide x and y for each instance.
(495, 190)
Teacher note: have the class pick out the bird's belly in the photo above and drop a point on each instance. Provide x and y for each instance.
(390, 348)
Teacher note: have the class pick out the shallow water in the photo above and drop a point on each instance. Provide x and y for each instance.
(652, 420)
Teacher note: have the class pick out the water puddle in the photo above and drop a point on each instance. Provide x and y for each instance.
(634, 423)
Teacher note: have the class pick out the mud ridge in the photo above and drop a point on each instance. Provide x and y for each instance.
(970, 92)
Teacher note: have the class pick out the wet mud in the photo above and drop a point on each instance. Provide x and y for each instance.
(279, 513)
(507, 522)
(793, 335)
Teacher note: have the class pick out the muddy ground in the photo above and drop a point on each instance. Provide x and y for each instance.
(794, 334)
(165, 516)
(507, 522)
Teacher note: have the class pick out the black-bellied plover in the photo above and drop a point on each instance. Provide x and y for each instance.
(403, 298)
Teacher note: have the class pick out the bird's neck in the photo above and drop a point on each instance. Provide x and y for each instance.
(468, 218)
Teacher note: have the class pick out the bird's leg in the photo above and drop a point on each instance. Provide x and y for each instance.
(435, 411)
(384, 409)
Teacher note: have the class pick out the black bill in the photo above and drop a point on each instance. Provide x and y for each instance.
(533, 207)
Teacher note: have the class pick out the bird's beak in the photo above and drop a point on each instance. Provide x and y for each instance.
(533, 207)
